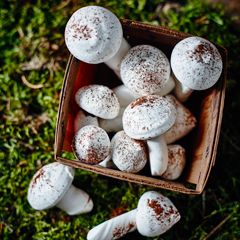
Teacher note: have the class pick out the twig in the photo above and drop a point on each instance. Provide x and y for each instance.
(20, 32)
(214, 230)
(30, 85)
(63, 4)
(4, 224)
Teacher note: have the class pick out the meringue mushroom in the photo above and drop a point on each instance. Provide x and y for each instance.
(114, 228)
(98, 100)
(52, 186)
(146, 70)
(148, 117)
(91, 144)
(128, 154)
(196, 63)
(185, 122)
(94, 35)
(82, 120)
(176, 162)
(155, 214)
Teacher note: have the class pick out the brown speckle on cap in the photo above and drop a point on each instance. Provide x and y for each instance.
(39, 175)
(81, 31)
(155, 205)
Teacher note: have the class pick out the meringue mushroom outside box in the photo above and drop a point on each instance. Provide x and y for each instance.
(201, 144)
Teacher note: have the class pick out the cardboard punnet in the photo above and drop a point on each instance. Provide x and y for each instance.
(201, 144)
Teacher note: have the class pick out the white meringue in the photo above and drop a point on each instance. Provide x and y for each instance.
(155, 214)
(176, 162)
(114, 228)
(145, 70)
(91, 144)
(93, 34)
(185, 122)
(98, 100)
(196, 63)
(52, 186)
(128, 154)
(148, 117)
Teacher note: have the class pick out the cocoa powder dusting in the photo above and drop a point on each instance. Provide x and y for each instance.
(39, 175)
(81, 31)
(138, 102)
(130, 227)
(200, 51)
(170, 212)
(118, 232)
(142, 100)
(95, 156)
(155, 206)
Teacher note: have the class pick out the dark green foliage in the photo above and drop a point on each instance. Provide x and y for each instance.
(33, 30)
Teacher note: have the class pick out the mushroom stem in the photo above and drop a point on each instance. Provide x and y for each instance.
(107, 162)
(75, 201)
(114, 62)
(158, 155)
(125, 96)
(112, 125)
(168, 87)
(181, 91)
(114, 228)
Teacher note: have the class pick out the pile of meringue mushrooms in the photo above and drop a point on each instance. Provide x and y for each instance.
(145, 113)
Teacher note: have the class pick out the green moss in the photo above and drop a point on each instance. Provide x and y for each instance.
(35, 29)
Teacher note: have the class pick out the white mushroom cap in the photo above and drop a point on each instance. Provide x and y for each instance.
(145, 70)
(91, 144)
(128, 154)
(185, 122)
(176, 162)
(98, 100)
(196, 63)
(49, 184)
(125, 96)
(93, 34)
(148, 117)
(155, 214)
(82, 120)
